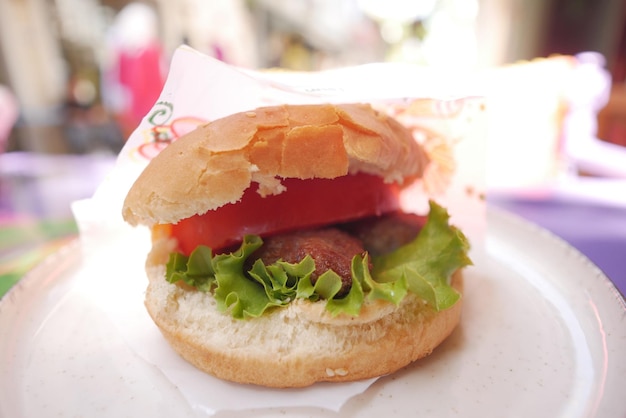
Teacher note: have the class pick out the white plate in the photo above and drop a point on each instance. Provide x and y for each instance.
(543, 335)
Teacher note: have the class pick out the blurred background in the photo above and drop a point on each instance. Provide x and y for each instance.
(77, 75)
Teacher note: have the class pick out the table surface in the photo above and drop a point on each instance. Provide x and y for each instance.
(35, 196)
(36, 220)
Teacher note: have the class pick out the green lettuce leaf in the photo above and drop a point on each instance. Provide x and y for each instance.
(428, 262)
(423, 267)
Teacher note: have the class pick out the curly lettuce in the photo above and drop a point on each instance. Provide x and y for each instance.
(423, 267)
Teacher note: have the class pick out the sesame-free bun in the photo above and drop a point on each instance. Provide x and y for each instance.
(302, 343)
(297, 345)
(214, 164)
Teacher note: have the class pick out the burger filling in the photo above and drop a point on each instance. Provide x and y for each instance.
(343, 241)
(262, 274)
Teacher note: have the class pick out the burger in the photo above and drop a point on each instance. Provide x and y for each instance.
(281, 255)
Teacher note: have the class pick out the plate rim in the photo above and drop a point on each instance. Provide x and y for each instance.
(503, 215)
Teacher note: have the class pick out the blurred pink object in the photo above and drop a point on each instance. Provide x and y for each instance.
(140, 73)
(8, 115)
(135, 73)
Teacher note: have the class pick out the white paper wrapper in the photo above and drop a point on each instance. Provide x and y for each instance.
(200, 89)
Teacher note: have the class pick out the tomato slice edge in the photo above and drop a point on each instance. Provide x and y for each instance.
(305, 204)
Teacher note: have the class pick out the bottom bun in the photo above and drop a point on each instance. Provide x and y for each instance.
(293, 346)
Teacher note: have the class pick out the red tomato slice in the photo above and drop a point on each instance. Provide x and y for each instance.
(305, 204)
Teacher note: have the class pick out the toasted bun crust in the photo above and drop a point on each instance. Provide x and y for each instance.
(217, 162)
(297, 345)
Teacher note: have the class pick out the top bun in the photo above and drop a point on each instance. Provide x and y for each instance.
(214, 164)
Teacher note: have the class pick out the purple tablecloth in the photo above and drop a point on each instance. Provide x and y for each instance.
(597, 229)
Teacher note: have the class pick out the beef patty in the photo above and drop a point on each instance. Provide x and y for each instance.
(333, 248)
